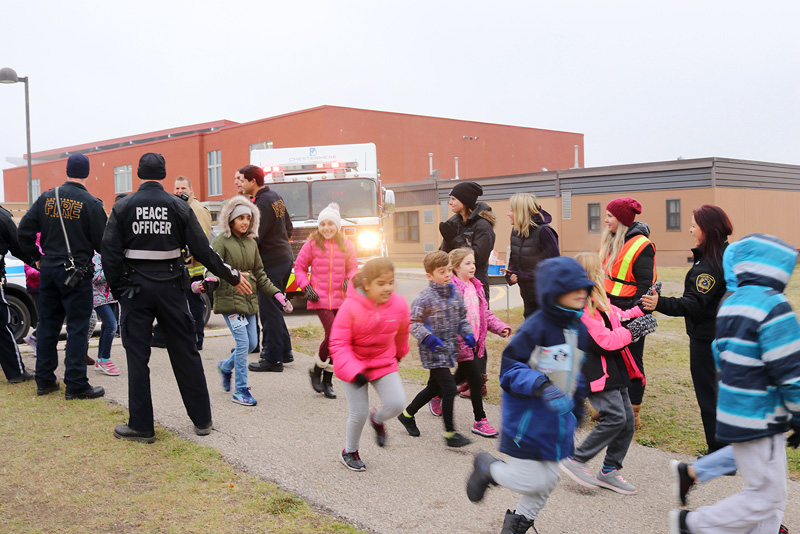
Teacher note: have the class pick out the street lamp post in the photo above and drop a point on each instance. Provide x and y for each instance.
(8, 75)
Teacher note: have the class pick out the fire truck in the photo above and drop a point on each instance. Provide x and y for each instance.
(310, 178)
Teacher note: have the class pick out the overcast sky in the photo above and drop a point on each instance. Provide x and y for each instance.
(643, 81)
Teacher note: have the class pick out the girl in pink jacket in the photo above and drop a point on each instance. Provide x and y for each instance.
(368, 339)
(482, 320)
(608, 369)
(332, 260)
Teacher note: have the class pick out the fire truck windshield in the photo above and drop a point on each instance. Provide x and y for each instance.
(357, 197)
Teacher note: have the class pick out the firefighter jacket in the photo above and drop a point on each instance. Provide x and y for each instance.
(634, 270)
(149, 228)
(84, 219)
(275, 230)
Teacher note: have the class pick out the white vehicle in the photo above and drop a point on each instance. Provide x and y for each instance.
(24, 315)
(310, 178)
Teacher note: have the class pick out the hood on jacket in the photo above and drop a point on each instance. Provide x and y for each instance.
(483, 210)
(759, 260)
(227, 209)
(638, 228)
(542, 218)
(557, 276)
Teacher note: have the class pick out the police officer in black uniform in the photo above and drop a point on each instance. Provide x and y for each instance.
(10, 359)
(65, 287)
(144, 267)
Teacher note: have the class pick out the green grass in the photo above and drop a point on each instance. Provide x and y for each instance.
(63, 472)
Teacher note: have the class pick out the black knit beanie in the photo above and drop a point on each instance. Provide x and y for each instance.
(152, 167)
(467, 193)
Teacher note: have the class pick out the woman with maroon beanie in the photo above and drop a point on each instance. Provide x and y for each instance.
(703, 290)
(628, 259)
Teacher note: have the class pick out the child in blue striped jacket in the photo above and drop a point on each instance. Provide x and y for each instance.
(757, 351)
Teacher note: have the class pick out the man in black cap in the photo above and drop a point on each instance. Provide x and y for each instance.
(72, 230)
(144, 267)
(10, 359)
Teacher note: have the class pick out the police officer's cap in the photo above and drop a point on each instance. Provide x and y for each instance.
(152, 167)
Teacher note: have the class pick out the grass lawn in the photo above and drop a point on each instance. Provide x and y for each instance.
(670, 416)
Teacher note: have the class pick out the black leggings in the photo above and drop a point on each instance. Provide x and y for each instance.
(470, 370)
(636, 389)
(440, 384)
(704, 378)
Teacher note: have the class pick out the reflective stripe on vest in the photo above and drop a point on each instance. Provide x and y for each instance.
(624, 284)
(134, 254)
(196, 271)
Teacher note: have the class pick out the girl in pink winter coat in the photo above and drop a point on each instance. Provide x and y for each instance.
(332, 260)
(482, 320)
(368, 339)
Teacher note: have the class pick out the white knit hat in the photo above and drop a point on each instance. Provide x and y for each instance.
(331, 213)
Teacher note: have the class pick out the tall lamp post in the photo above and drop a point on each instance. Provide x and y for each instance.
(8, 75)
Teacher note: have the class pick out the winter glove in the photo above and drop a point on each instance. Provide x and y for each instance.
(469, 339)
(344, 284)
(204, 286)
(287, 305)
(641, 326)
(360, 379)
(655, 288)
(555, 399)
(311, 294)
(448, 230)
(432, 342)
(794, 440)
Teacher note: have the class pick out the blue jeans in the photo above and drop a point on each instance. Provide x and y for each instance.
(246, 340)
(108, 330)
(716, 464)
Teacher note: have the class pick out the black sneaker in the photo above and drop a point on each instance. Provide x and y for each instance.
(89, 392)
(783, 530)
(48, 388)
(24, 377)
(204, 430)
(410, 423)
(480, 478)
(457, 440)
(677, 522)
(681, 481)
(288, 357)
(380, 429)
(264, 366)
(353, 461)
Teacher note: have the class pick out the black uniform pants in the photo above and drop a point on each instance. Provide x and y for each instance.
(276, 342)
(10, 359)
(56, 303)
(704, 378)
(197, 310)
(166, 302)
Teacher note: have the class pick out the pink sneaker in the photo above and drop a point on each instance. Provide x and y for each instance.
(483, 428)
(436, 406)
(106, 367)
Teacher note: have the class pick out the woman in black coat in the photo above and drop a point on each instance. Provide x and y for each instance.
(532, 240)
(704, 287)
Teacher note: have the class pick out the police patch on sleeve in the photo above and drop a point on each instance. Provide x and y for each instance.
(704, 283)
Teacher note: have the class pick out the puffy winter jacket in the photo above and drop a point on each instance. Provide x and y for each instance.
(527, 252)
(330, 267)
(242, 254)
(609, 364)
(476, 233)
(549, 345)
(488, 322)
(368, 338)
(439, 310)
(101, 293)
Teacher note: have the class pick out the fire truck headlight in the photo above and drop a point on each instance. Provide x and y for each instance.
(369, 240)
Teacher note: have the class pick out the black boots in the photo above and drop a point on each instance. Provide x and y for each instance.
(516, 524)
(327, 386)
(481, 477)
(316, 378)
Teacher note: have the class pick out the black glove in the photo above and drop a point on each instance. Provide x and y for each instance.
(360, 379)
(448, 230)
(311, 294)
(794, 440)
(344, 284)
(641, 326)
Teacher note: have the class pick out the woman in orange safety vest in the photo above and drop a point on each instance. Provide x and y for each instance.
(628, 259)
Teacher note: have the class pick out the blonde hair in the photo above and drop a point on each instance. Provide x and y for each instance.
(374, 268)
(458, 255)
(524, 207)
(611, 245)
(594, 270)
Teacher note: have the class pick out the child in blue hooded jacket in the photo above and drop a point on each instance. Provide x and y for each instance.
(543, 394)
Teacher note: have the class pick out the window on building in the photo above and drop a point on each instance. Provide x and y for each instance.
(673, 215)
(406, 227)
(261, 145)
(36, 188)
(214, 160)
(427, 216)
(594, 217)
(123, 179)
